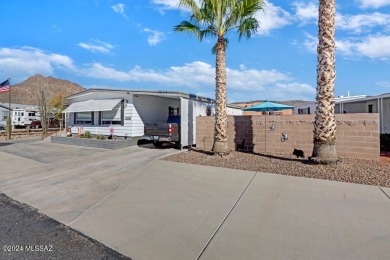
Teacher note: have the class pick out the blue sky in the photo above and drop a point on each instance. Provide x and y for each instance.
(130, 44)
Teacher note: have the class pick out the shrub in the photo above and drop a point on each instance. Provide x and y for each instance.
(101, 137)
(87, 134)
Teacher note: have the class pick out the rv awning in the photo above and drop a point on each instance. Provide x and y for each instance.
(92, 105)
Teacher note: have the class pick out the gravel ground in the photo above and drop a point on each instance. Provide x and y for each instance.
(348, 170)
(27, 234)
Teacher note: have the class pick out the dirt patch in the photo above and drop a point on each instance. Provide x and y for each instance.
(348, 170)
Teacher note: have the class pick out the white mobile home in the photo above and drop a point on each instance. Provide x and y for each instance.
(372, 104)
(126, 111)
(358, 104)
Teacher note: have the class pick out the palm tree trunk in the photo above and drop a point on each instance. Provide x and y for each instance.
(324, 150)
(220, 131)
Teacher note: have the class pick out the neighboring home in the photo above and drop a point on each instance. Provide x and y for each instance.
(309, 107)
(127, 111)
(4, 112)
(369, 104)
(358, 104)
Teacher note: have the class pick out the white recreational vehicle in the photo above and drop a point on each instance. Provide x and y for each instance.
(22, 118)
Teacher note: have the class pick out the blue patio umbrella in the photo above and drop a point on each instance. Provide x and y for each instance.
(265, 107)
(268, 106)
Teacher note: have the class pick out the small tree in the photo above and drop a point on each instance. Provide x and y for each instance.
(43, 105)
(56, 102)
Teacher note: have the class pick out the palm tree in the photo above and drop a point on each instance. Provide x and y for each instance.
(215, 18)
(324, 150)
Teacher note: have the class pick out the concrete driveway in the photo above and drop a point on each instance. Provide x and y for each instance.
(152, 209)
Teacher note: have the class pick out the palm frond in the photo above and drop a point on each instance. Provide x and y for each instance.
(192, 6)
(186, 26)
(247, 27)
(243, 10)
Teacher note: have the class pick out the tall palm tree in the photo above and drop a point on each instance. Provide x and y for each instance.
(324, 150)
(214, 18)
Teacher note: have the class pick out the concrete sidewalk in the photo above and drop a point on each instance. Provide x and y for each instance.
(152, 209)
(173, 210)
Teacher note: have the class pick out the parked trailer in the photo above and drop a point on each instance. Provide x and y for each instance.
(21, 118)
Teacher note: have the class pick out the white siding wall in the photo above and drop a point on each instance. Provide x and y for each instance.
(131, 128)
(135, 123)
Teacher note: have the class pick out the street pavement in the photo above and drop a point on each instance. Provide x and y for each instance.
(148, 208)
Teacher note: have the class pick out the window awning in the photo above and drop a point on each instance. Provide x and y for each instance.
(92, 105)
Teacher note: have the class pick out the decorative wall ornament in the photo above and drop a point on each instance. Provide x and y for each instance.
(284, 137)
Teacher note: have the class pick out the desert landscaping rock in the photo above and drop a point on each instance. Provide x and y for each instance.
(348, 170)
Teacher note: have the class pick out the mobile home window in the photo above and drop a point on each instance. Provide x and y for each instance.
(111, 117)
(370, 107)
(84, 118)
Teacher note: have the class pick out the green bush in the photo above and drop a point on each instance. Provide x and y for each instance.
(101, 137)
(87, 134)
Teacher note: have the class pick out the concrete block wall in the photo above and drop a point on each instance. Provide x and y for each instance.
(357, 134)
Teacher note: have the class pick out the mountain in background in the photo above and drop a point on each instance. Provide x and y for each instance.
(26, 93)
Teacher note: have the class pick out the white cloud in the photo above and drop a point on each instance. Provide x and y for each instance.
(264, 83)
(373, 47)
(120, 8)
(310, 42)
(155, 37)
(373, 3)
(252, 79)
(362, 22)
(306, 12)
(385, 84)
(97, 46)
(20, 63)
(27, 61)
(291, 91)
(273, 17)
(167, 4)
